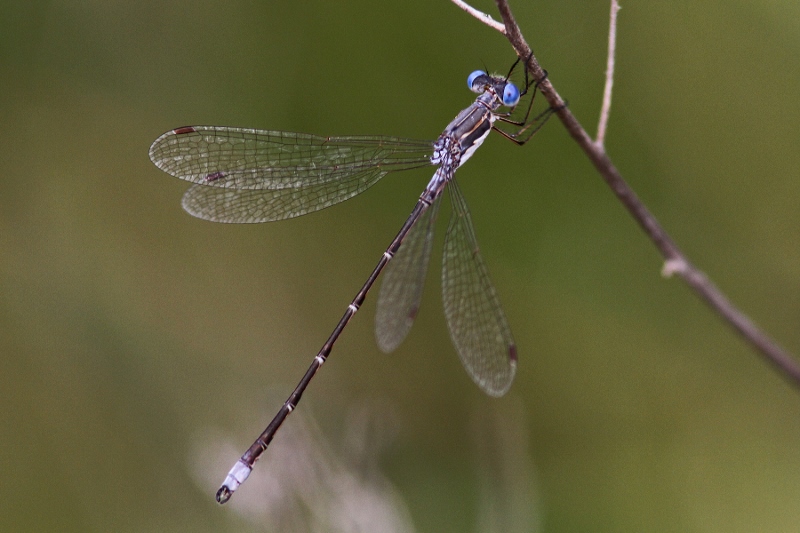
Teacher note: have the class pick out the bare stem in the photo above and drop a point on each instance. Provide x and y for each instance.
(480, 15)
(602, 125)
(675, 261)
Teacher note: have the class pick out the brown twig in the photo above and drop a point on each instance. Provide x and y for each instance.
(675, 262)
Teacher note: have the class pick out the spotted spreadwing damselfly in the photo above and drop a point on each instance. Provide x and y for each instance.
(245, 175)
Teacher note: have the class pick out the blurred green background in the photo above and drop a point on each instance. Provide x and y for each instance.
(141, 350)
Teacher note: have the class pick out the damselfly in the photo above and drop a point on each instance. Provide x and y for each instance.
(246, 175)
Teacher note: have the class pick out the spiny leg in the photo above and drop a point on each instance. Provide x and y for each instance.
(526, 128)
(506, 117)
(537, 123)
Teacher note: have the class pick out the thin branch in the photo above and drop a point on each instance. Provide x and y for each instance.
(480, 15)
(675, 261)
(602, 125)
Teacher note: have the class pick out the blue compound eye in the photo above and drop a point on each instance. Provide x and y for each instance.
(472, 77)
(510, 95)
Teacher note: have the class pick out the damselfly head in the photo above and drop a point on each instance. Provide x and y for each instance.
(506, 92)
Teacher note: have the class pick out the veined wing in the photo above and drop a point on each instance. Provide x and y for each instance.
(478, 326)
(248, 159)
(268, 205)
(403, 281)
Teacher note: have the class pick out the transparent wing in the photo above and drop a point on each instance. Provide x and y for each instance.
(248, 206)
(245, 175)
(478, 326)
(237, 158)
(403, 281)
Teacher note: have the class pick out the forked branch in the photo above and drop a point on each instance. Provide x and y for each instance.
(675, 261)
